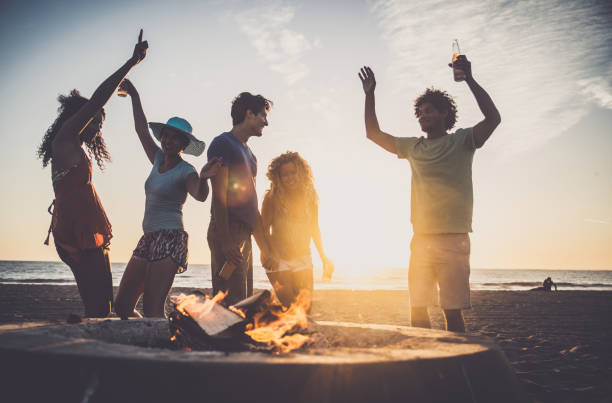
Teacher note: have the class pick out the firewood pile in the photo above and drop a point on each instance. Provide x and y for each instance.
(258, 323)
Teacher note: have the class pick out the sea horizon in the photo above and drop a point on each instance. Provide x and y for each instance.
(198, 276)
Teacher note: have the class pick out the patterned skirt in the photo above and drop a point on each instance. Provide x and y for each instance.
(160, 244)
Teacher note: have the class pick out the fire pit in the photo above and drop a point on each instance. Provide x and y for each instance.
(114, 360)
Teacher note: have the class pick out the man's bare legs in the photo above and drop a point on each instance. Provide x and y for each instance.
(419, 317)
(454, 320)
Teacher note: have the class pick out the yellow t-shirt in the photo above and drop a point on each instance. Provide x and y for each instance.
(442, 195)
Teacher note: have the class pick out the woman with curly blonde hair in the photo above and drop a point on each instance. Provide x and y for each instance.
(290, 215)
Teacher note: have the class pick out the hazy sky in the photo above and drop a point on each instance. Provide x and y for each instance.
(543, 182)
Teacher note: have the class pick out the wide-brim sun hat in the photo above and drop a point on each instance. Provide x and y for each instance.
(195, 147)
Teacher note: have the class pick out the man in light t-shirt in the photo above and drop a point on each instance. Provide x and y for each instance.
(441, 196)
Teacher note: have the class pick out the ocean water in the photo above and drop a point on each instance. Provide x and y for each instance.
(198, 276)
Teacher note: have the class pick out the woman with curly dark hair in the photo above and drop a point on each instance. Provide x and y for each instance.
(290, 214)
(80, 227)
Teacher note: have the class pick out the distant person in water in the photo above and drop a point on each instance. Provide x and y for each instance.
(547, 285)
(290, 215)
(162, 251)
(79, 225)
(441, 196)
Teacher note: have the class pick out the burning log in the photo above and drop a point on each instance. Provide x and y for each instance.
(199, 322)
(213, 318)
(256, 323)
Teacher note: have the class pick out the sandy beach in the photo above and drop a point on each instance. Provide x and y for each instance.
(558, 342)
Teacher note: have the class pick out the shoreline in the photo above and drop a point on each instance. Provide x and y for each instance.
(557, 342)
(330, 288)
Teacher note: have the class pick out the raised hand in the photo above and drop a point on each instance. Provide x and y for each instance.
(211, 168)
(127, 86)
(366, 75)
(140, 50)
(462, 63)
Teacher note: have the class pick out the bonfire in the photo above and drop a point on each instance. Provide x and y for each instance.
(258, 323)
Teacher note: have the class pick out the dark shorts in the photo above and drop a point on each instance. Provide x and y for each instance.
(160, 244)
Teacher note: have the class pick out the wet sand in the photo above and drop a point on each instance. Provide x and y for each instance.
(557, 342)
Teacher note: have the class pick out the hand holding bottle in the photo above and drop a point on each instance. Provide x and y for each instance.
(462, 68)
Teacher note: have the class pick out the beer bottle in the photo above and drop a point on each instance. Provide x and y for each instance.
(458, 74)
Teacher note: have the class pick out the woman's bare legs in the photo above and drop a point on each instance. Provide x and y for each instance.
(98, 283)
(282, 282)
(131, 288)
(303, 280)
(92, 272)
(157, 284)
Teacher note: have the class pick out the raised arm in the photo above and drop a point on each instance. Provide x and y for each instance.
(373, 131)
(72, 128)
(492, 118)
(140, 121)
(197, 185)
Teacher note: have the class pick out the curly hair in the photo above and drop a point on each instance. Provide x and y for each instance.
(306, 188)
(69, 105)
(441, 101)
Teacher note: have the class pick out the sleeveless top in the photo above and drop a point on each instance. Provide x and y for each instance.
(79, 221)
(165, 195)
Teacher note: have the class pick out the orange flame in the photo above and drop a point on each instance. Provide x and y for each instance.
(274, 332)
(219, 297)
(269, 326)
(237, 311)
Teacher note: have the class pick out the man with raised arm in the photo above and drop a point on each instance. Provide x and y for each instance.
(234, 213)
(441, 194)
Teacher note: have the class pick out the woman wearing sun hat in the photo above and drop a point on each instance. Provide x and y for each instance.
(161, 252)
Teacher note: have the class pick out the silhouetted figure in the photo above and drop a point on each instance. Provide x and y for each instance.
(442, 195)
(290, 215)
(80, 228)
(234, 212)
(162, 252)
(548, 284)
